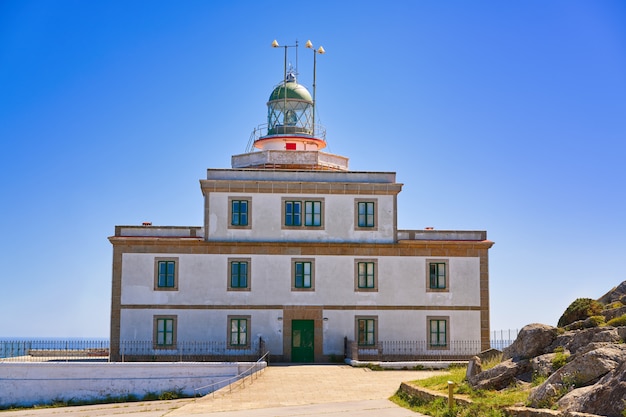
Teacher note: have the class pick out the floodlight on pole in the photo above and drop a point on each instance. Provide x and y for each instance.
(275, 44)
(319, 50)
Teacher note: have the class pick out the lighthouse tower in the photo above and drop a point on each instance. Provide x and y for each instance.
(291, 138)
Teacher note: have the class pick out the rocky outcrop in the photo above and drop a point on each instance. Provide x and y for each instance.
(607, 397)
(585, 370)
(582, 364)
(572, 341)
(616, 294)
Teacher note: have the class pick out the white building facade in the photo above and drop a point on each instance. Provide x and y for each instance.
(300, 257)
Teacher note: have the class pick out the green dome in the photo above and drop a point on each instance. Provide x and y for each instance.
(293, 90)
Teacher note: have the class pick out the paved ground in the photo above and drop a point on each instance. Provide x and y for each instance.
(280, 391)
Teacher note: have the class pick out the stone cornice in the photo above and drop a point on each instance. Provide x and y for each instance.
(297, 187)
(143, 244)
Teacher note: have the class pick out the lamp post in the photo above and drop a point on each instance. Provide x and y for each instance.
(276, 45)
(319, 50)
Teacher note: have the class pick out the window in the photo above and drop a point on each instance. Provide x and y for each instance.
(166, 274)
(437, 275)
(293, 213)
(303, 274)
(365, 214)
(238, 330)
(313, 213)
(438, 332)
(365, 273)
(303, 213)
(239, 214)
(366, 331)
(239, 275)
(165, 332)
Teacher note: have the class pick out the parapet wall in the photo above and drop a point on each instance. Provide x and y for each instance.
(27, 384)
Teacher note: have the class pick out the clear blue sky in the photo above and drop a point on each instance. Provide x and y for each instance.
(505, 116)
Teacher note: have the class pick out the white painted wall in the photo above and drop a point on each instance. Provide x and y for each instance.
(26, 384)
(393, 325)
(203, 280)
(203, 326)
(266, 220)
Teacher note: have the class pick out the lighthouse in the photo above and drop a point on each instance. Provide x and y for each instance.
(299, 257)
(291, 138)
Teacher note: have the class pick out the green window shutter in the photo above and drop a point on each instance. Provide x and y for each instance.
(238, 332)
(438, 333)
(312, 213)
(239, 274)
(293, 213)
(437, 275)
(239, 213)
(366, 332)
(167, 277)
(165, 332)
(366, 278)
(303, 276)
(365, 214)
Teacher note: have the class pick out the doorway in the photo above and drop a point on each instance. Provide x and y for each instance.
(302, 338)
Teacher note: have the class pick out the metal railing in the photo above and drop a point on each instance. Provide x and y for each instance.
(189, 351)
(201, 351)
(399, 351)
(126, 351)
(53, 350)
(317, 131)
(240, 378)
(501, 339)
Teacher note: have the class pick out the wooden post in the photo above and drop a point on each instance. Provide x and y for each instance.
(451, 395)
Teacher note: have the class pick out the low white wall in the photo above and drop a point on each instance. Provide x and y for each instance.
(26, 384)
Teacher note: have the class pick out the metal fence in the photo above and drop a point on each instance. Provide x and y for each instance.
(501, 339)
(53, 350)
(195, 351)
(129, 351)
(423, 351)
(190, 351)
(392, 350)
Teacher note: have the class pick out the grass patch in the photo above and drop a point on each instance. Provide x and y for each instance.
(129, 398)
(618, 321)
(486, 403)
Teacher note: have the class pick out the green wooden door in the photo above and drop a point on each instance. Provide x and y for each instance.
(302, 335)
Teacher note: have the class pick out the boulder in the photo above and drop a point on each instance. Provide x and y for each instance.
(542, 365)
(588, 323)
(621, 331)
(611, 313)
(474, 367)
(571, 400)
(588, 367)
(607, 397)
(575, 340)
(500, 376)
(531, 341)
(492, 355)
(582, 370)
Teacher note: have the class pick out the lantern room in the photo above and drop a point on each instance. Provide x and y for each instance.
(291, 138)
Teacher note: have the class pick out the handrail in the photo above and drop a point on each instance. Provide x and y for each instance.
(235, 378)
